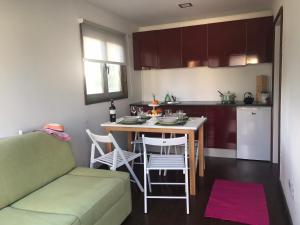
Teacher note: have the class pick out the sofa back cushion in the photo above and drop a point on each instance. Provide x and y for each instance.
(30, 161)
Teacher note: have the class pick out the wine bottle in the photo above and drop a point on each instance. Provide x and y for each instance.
(112, 112)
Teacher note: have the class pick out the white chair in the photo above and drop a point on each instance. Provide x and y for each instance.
(113, 159)
(137, 147)
(165, 162)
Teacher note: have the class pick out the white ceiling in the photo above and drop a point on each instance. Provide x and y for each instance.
(152, 12)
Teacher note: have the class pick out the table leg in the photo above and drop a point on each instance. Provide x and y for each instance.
(108, 145)
(192, 163)
(129, 141)
(201, 152)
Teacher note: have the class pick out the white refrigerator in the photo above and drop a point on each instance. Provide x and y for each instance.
(254, 133)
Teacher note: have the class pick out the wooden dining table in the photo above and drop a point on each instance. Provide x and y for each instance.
(190, 128)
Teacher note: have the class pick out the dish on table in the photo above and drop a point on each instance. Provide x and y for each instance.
(178, 122)
(145, 116)
(132, 120)
(168, 120)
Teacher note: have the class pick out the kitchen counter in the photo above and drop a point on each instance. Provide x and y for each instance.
(204, 103)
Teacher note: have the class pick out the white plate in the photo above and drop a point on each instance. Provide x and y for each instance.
(130, 119)
(169, 119)
(151, 105)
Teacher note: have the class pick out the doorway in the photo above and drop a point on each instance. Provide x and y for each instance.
(277, 78)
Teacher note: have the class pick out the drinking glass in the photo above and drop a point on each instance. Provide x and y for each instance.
(180, 114)
(133, 110)
(168, 112)
(140, 111)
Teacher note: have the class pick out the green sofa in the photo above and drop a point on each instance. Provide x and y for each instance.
(40, 185)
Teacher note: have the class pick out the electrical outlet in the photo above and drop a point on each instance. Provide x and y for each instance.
(291, 187)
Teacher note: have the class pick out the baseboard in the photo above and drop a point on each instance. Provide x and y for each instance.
(221, 153)
(285, 203)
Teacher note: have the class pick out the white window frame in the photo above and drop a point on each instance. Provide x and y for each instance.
(106, 96)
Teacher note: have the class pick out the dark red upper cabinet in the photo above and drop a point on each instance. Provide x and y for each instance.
(136, 51)
(227, 44)
(145, 50)
(169, 48)
(259, 40)
(194, 46)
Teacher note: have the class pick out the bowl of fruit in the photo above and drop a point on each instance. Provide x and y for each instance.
(154, 102)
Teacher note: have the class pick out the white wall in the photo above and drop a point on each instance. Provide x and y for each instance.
(41, 76)
(290, 126)
(208, 20)
(201, 83)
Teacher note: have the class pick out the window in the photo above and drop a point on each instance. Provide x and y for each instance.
(104, 62)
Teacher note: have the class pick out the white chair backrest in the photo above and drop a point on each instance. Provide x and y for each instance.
(99, 138)
(165, 141)
(102, 139)
(179, 141)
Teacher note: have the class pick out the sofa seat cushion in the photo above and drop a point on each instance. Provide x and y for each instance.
(11, 216)
(83, 171)
(86, 197)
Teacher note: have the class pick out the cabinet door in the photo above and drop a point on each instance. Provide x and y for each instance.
(169, 48)
(136, 51)
(220, 127)
(227, 44)
(259, 40)
(194, 46)
(145, 50)
(193, 110)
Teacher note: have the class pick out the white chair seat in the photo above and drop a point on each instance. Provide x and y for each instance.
(166, 162)
(108, 158)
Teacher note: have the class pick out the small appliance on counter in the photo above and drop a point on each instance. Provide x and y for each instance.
(170, 99)
(261, 87)
(265, 97)
(248, 98)
(227, 98)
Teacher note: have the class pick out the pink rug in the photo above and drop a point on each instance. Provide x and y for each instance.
(238, 202)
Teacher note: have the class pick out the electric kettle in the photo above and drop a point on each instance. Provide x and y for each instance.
(248, 98)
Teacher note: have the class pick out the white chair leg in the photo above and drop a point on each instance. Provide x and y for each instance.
(133, 175)
(175, 147)
(169, 151)
(140, 146)
(145, 191)
(149, 182)
(197, 157)
(162, 149)
(92, 156)
(134, 148)
(187, 192)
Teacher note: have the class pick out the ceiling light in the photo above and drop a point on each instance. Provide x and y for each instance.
(185, 5)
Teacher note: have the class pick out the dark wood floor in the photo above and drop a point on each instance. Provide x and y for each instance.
(172, 212)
